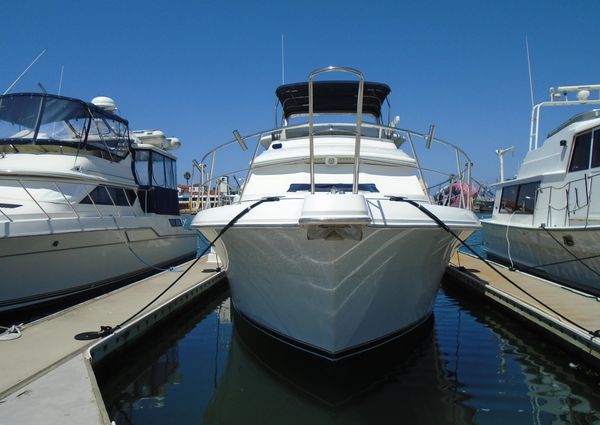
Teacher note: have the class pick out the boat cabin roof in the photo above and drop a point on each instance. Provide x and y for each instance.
(58, 123)
(584, 116)
(332, 97)
(23, 109)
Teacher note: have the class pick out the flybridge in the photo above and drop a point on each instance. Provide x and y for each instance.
(559, 96)
(332, 97)
(28, 120)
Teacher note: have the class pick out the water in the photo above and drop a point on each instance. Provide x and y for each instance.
(472, 365)
(475, 241)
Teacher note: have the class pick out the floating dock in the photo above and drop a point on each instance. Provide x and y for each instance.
(47, 374)
(571, 317)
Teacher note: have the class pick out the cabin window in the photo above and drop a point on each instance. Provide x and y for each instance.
(158, 170)
(103, 195)
(580, 160)
(333, 187)
(519, 198)
(171, 178)
(596, 150)
(142, 173)
(156, 174)
(526, 197)
(509, 199)
(155, 169)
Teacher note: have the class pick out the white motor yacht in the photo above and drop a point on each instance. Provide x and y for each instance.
(333, 260)
(547, 219)
(84, 203)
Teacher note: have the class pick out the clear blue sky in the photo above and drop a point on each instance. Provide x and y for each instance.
(199, 69)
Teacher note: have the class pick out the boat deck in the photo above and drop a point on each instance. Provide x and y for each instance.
(572, 317)
(47, 374)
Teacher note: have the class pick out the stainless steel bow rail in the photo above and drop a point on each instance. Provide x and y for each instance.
(26, 188)
(311, 117)
(212, 184)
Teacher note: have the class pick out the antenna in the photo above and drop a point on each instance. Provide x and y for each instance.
(282, 62)
(24, 72)
(529, 68)
(62, 70)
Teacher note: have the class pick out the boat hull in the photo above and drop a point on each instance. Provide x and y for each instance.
(49, 267)
(334, 297)
(545, 252)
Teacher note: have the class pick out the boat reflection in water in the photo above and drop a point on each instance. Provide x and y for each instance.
(267, 382)
(138, 384)
(468, 366)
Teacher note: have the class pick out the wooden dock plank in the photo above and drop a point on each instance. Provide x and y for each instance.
(569, 314)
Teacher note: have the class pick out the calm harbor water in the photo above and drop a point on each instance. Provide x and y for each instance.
(473, 365)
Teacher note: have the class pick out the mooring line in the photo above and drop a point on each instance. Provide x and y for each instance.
(443, 225)
(108, 330)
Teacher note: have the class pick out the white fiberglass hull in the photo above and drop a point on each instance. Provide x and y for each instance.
(535, 250)
(40, 268)
(335, 297)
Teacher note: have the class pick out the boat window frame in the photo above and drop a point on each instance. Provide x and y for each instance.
(582, 163)
(335, 187)
(169, 169)
(110, 195)
(519, 198)
(593, 153)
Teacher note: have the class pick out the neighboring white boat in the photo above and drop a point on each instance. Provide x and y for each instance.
(83, 202)
(547, 219)
(339, 263)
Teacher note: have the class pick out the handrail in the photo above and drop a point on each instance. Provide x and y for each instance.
(207, 187)
(568, 211)
(45, 177)
(54, 186)
(557, 100)
(359, 110)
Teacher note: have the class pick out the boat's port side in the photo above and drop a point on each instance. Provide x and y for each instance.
(133, 252)
(50, 378)
(568, 316)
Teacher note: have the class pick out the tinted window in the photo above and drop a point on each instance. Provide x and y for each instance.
(103, 195)
(519, 198)
(328, 187)
(527, 196)
(581, 153)
(508, 201)
(596, 150)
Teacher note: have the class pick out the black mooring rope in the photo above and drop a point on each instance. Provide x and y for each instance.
(108, 330)
(447, 229)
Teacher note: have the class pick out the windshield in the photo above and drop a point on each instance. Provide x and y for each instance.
(40, 119)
